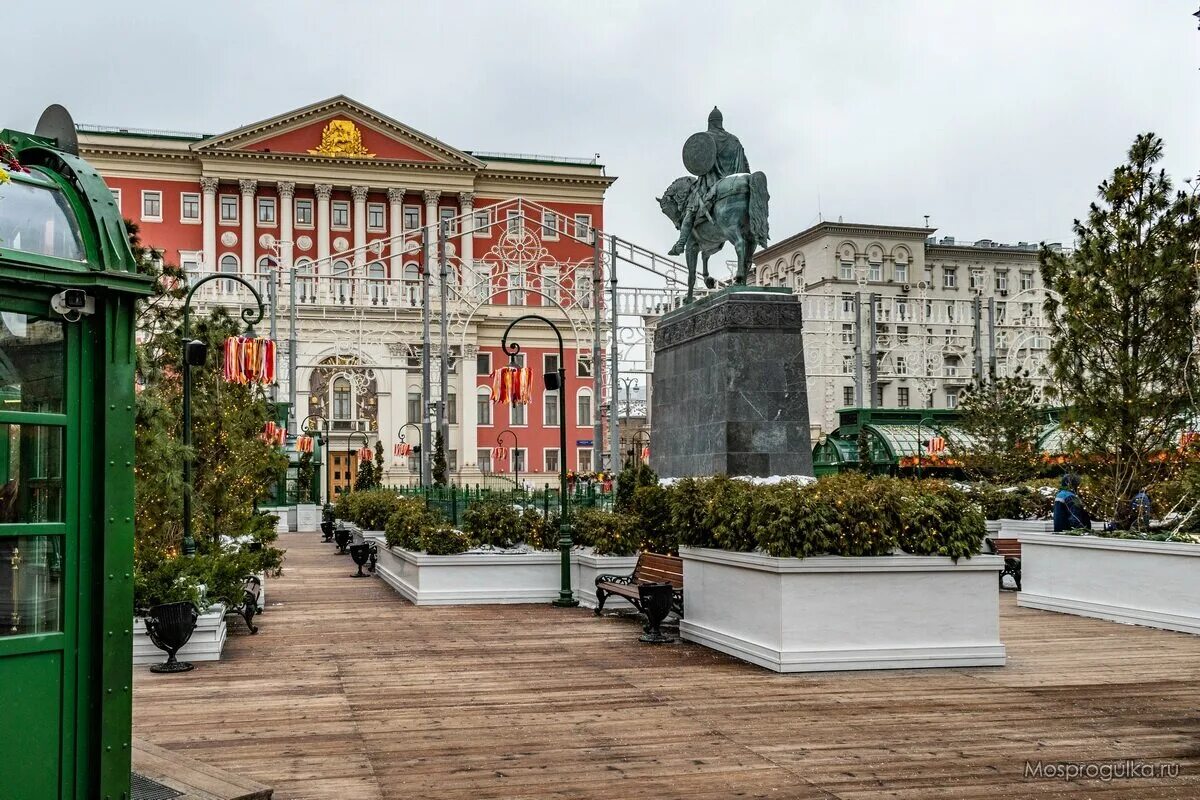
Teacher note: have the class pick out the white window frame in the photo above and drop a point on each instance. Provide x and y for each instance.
(975, 279)
(846, 270)
(452, 406)
(545, 363)
(586, 233)
(485, 394)
(524, 411)
(183, 200)
(514, 222)
(381, 209)
(579, 451)
(261, 203)
(546, 451)
(449, 218)
(194, 257)
(847, 397)
(519, 453)
(1026, 280)
(237, 210)
(415, 211)
(949, 277)
(116, 193)
(334, 207)
(952, 399)
(580, 370)
(547, 397)
(549, 231)
(309, 204)
(488, 356)
(147, 194)
(483, 215)
(517, 291)
(902, 398)
(483, 456)
(874, 270)
(1001, 280)
(901, 365)
(580, 421)
(901, 271)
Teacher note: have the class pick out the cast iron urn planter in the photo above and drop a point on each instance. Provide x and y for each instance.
(361, 553)
(326, 530)
(169, 626)
(341, 538)
(656, 601)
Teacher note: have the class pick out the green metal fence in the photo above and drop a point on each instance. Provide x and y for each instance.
(453, 501)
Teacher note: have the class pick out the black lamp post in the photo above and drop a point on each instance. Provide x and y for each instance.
(195, 354)
(554, 381)
(321, 442)
(499, 443)
(417, 449)
(350, 452)
(640, 437)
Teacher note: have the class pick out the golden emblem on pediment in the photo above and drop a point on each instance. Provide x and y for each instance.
(343, 139)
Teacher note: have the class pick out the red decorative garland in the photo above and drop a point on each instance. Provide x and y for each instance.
(512, 385)
(249, 360)
(304, 444)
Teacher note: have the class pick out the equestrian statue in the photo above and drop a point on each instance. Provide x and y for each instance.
(724, 202)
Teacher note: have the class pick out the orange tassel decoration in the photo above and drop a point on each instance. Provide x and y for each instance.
(249, 360)
(512, 385)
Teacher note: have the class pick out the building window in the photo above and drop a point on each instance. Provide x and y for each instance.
(950, 278)
(584, 457)
(483, 222)
(550, 409)
(950, 367)
(1026, 281)
(341, 214)
(229, 208)
(376, 217)
(583, 227)
(875, 271)
(975, 279)
(1001, 313)
(847, 365)
(901, 309)
(901, 272)
(414, 407)
(516, 415)
(341, 404)
(550, 459)
(483, 406)
(189, 207)
(1001, 281)
(151, 205)
(447, 216)
(116, 193)
(902, 396)
(414, 463)
(483, 363)
(550, 363)
(583, 409)
(847, 396)
(483, 459)
(516, 288)
(412, 218)
(846, 270)
(413, 359)
(304, 213)
(902, 334)
(847, 333)
(1026, 310)
(879, 396)
(950, 311)
(452, 461)
(518, 458)
(583, 365)
(452, 408)
(951, 399)
(847, 304)
(901, 365)
(549, 225)
(266, 211)
(515, 222)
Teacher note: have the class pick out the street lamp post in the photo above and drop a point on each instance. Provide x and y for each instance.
(420, 449)
(350, 452)
(499, 443)
(324, 450)
(195, 354)
(565, 596)
(629, 383)
(640, 437)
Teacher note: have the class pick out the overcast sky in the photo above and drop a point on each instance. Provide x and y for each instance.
(997, 119)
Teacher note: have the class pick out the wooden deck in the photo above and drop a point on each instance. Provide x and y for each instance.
(350, 692)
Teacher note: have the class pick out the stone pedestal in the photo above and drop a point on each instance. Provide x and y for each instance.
(729, 394)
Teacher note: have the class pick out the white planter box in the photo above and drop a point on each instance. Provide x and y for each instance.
(470, 578)
(1015, 528)
(993, 527)
(206, 644)
(1142, 583)
(308, 517)
(585, 566)
(834, 613)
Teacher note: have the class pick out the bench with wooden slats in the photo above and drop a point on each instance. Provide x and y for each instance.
(1011, 550)
(650, 568)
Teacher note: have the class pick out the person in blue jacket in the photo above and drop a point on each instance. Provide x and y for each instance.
(1142, 510)
(1069, 513)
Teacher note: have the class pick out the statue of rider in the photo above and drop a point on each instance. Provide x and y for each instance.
(730, 159)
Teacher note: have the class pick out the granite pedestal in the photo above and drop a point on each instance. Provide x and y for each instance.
(729, 392)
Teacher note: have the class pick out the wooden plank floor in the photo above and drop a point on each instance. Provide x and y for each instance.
(350, 692)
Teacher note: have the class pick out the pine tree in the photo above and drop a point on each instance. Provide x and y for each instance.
(439, 460)
(1003, 420)
(1124, 347)
(378, 463)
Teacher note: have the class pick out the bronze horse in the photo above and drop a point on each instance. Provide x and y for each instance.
(739, 216)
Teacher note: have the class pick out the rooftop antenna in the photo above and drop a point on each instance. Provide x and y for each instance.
(820, 218)
(926, 220)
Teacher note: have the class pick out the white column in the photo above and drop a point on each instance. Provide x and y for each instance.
(468, 407)
(431, 219)
(209, 215)
(395, 229)
(466, 242)
(287, 193)
(359, 193)
(248, 186)
(323, 192)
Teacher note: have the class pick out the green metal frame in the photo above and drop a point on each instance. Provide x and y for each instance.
(78, 682)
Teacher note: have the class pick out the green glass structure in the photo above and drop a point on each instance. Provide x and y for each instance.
(68, 288)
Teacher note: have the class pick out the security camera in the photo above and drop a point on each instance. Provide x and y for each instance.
(72, 304)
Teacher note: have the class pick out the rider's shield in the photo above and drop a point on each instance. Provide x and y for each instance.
(699, 153)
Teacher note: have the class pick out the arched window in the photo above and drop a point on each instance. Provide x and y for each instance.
(264, 274)
(377, 282)
(306, 289)
(341, 276)
(412, 284)
(342, 400)
(583, 408)
(229, 264)
(483, 405)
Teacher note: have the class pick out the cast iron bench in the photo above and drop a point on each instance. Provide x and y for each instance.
(1011, 550)
(650, 568)
(251, 591)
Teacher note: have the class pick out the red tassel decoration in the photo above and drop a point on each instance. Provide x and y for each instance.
(512, 385)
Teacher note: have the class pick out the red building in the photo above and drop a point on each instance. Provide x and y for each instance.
(351, 199)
